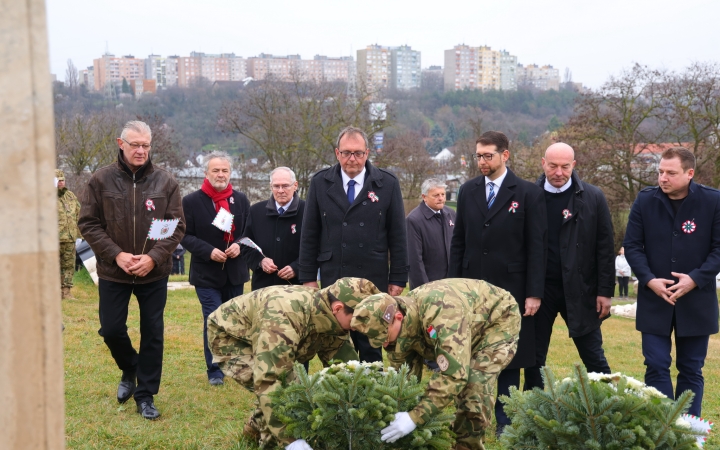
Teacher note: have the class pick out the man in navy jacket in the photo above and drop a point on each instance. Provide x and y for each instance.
(672, 243)
(215, 269)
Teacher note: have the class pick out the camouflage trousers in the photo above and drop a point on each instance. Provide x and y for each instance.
(67, 263)
(240, 368)
(475, 403)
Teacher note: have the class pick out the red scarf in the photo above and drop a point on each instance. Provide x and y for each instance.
(220, 199)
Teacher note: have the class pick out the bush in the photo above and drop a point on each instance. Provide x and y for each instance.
(346, 405)
(600, 412)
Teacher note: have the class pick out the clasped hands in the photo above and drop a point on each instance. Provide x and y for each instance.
(268, 266)
(218, 255)
(671, 294)
(138, 265)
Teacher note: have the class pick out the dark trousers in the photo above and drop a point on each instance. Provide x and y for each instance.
(365, 351)
(210, 300)
(690, 352)
(506, 378)
(589, 346)
(147, 363)
(623, 286)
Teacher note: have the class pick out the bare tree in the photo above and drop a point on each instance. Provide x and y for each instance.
(165, 148)
(613, 129)
(86, 142)
(295, 123)
(692, 115)
(72, 79)
(406, 156)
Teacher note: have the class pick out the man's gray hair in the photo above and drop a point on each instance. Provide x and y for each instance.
(351, 130)
(215, 154)
(286, 169)
(432, 183)
(137, 126)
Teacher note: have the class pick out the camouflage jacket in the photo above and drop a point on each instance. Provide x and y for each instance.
(271, 328)
(448, 321)
(68, 209)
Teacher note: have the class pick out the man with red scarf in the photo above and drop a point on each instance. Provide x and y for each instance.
(215, 269)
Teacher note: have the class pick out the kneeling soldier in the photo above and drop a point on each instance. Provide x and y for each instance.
(469, 327)
(256, 337)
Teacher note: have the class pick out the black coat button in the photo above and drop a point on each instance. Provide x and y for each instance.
(344, 224)
(485, 251)
(674, 260)
(277, 239)
(675, 233)
(362, 224)
(487, 224)
(360, 245)
(344, 245)
(365, 203)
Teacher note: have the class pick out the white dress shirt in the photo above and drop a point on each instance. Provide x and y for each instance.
(497, 182)
(554, 190)
(359, 180)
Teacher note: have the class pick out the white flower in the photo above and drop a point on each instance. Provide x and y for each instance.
(682, 423)
(635, 384)
(652, 392)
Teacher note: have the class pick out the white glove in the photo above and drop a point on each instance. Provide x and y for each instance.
(401, 426)
(300, 444)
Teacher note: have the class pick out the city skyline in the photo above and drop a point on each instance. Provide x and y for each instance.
(594, 42)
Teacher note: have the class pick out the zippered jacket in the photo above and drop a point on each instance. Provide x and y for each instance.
(117, 209)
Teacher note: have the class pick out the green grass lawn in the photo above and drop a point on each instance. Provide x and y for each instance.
(196, 415)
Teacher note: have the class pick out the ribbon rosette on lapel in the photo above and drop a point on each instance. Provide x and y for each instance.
(292, 229)
(149, 204)
(566, 213)
(689, 226)
(373, 198)
(231, 200)
(513, 207)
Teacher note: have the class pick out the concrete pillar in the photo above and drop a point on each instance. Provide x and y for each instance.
(31, 361)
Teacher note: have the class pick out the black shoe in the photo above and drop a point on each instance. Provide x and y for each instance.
(148, 410)
(127, 386)
(499, 430)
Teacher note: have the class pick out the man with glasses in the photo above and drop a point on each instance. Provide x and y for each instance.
(354, 218)
(215, 269)
(275, 225)
(501, 237)
(117, 208)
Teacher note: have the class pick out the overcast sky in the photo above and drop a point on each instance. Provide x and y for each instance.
(593, 39)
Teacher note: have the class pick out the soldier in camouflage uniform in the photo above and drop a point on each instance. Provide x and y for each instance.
(469, 327)
(256, 337)
(68, 209)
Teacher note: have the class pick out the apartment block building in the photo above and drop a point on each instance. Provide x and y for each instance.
(540, 77)
(405, 69)
(481, 67)
(110, 70)
(87, 77)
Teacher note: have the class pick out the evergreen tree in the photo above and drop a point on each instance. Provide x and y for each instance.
(346, 405)
(577, 414)
(125, 86)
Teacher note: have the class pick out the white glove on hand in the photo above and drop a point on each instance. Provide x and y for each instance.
(401, 426)
(300, 444)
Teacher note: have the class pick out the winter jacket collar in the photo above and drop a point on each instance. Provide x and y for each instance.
(577, 183)
(145, 169)
(291, 209)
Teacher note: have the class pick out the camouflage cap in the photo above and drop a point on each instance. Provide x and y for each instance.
(59, 174)
(350, 291)
(372, 317)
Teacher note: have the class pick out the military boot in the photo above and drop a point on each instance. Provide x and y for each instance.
(250, 430)
(66, 292)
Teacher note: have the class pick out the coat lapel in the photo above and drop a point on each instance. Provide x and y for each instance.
(504, 195)
(336, 190)
(478, 194)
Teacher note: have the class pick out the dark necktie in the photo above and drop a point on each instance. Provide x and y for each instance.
(491, 196)
(281, 210)
(351, 191)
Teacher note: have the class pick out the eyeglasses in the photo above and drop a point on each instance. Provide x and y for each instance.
(357, 155)
(278, 187)
(135, 145)
(485, 156)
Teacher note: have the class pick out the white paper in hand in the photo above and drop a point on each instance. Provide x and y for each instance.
(249, 242)
(224, 220)
(161, 229)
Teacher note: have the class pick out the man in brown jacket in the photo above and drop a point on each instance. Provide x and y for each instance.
(117, 208)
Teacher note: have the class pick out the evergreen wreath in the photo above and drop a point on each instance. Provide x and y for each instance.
(597, 412)
(345, 406)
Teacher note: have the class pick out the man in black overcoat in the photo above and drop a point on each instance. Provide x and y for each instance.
(354, 226)
(215, 269)
(275, 225)
(672, 244)
(579, 280)
(429, 230)
(501, 237)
